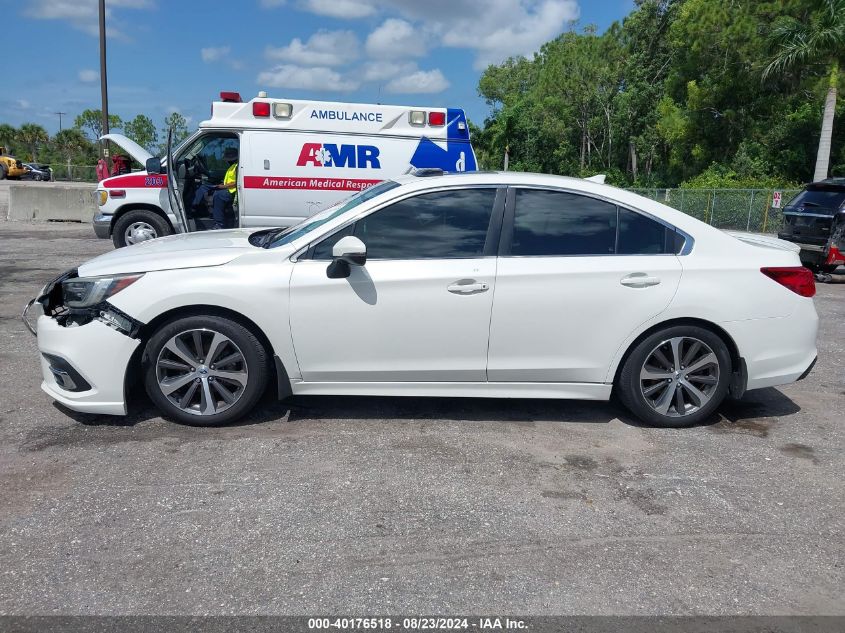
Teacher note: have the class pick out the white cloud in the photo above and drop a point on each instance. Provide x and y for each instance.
(323, 48)
(422, 81)
(84, 14)
(88, 76)
(345, 9)
(212, 54)
(507, 28)
(23, 104)
(300, 78)
(395, 38)
(380, 70)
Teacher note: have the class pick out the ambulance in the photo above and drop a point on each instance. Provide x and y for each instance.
(295, 158)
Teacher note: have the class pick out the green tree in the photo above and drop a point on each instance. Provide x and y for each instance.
(70, 143)
(179, 125)
(92, 121)
(32, 136)
(818, 38)
(142, 130)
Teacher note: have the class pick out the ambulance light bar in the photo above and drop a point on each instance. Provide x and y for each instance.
(418, 118)
(231, 97)
(260, 108)
(282, 110)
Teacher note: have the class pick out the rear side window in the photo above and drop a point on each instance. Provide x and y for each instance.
(438, 225)
(640, 235)
(555, 223)
(561, 223)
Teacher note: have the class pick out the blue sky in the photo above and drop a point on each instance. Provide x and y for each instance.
(166, 55)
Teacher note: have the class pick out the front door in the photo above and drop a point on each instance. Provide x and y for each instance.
(576, 277)
(419, 310)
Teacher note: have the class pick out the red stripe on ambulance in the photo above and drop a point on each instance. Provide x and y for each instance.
(150, 181)
(316, 184)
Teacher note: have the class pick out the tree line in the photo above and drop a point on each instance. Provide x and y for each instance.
(78, 145)
(695, 92)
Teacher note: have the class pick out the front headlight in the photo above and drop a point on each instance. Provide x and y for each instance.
(86, 292)
(102, 196)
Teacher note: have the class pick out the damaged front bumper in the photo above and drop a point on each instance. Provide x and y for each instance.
(85, 354)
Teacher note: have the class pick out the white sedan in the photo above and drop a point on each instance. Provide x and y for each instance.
(500, 285)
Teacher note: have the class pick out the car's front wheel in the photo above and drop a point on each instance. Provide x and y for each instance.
(205, 370)
(676, 377)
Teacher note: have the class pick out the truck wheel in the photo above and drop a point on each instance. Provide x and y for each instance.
(134, 227)
(2, 172)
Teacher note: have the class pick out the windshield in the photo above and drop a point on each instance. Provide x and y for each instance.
(288, 235)
(819, 200)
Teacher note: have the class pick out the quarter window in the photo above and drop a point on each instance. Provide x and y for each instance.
(640, 235)
(438, 225)
(560, 223)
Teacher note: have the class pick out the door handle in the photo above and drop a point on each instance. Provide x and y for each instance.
(639, 280)
(467, 287)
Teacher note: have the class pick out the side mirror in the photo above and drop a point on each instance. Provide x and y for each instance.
(348, 251)
(153, 165)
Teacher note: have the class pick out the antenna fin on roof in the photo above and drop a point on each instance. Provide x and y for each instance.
(599, 178)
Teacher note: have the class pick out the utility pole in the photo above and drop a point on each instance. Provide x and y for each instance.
(60, 119)
(104, 90)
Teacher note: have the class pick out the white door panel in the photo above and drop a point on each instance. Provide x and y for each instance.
(562, 319)
(391, 320)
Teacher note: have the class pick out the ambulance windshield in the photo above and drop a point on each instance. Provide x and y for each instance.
(278, 237)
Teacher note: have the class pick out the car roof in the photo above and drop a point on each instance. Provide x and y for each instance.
(835, 184)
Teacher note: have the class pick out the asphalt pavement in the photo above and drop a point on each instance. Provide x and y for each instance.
(390, 505)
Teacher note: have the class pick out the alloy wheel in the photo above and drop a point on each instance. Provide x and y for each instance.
(679, 376)
(202, 372)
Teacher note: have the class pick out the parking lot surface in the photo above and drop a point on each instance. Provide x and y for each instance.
(390, 505)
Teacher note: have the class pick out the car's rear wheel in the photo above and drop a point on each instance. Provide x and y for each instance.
(137, 226)
(205, 370)
(676, 377)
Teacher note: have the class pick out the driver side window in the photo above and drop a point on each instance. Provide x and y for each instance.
(209, 149)
(439, 225)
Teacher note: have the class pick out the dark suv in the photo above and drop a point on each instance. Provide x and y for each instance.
(815, 220)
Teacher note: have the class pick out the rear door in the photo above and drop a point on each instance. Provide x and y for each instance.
(576, 275)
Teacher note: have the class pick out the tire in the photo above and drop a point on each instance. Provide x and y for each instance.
(218, 394)
(647, 397)
(138, 226)
(3, 172)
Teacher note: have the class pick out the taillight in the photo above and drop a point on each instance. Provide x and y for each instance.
(260, 108)
(835, 256)
(436, 119)
(797, 278)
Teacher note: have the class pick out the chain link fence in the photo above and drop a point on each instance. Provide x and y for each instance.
(734, 209)
(73, 173)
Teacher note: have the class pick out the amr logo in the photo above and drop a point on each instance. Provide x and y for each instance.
(331, 155)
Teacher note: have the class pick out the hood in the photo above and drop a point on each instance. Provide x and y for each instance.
(129, 146)
(183, 250)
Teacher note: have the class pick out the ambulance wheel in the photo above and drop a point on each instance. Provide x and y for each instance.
(134, 227)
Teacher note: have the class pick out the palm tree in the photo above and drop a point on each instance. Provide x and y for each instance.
(32, 135)
(70, 142)
(819, 39)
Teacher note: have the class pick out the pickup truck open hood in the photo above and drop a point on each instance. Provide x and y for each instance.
(128, 145)
(184, 250)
